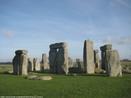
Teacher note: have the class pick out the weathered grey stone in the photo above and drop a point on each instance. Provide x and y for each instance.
(96, 59)
(20, 62)
(52, 60)
(19, 52)
(99, 70)
(88, 57)
(113, 65)
(78, 62)
(103, 54)
(70, 62)
(30, 64)
(58, 45)
(36, 64)
(62, 61)
(45, 78)
(45, 65)
(31, 77)
(58, 58)
(34, 77)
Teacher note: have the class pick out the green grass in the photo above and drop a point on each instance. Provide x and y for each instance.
(80, 86)
(128, 64)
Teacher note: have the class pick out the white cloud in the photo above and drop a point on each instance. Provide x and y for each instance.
(125, 40)
(7, 33)
(108, 39)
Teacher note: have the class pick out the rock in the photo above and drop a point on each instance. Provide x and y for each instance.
(58, 58)
(45, 65)
(36, 64)
(99, 70)
(20, 62)
(62, 61)
(58, 45)
(96, 59)
(30, 64)
(45, 78)
(31, 77)
(103, 54)
(34, 77)
(78, 62)
(113, 65)
(52, 60)
(70, 62)
(88, 57)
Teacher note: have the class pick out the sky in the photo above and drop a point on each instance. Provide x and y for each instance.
(35, 24)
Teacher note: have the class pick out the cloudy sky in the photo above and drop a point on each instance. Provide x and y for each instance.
(35, 24)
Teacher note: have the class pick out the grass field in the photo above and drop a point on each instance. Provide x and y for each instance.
(80, 86)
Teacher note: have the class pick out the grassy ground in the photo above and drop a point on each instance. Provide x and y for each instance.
(80, 86)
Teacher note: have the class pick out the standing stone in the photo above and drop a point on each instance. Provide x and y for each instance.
(96, 59)
(103, 53)
(30, 64)
(20, 62)
(113, 65)
(45, 65)
(70, 62)
(62, 61)
(88, 56)
(58, 58)
(52, 60)
(78, 62)
(36, 64)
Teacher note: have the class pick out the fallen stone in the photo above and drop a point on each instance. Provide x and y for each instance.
(99, 70)
(34, 77)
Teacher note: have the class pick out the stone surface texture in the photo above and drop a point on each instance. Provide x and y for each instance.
(88, 57)
(96, 59)
(58, 58)
(20, 62)
(103, 54)
(113, 65)
(45, 65)
(36, 62)
(30, 64)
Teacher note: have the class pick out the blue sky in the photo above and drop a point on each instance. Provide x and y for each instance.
(35, 24)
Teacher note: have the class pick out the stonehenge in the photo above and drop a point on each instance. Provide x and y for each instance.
(78, 62)
(112, 63)
(45, 65)
(58, 58)
(36, 64)
(103, 54)
(20, 62)
(30, 64)
(96, 59)
(60, 63)
(70, 62)
(88, 57)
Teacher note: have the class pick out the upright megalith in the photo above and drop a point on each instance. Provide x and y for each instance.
(20, 62)
(52, 60)
(30, 64)
(78, 62)
(112, 63)
(96, 59)
(70, 62)
(88, 57)
(45, 65)
(36, 62)
(58, 58)
(103, 54)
